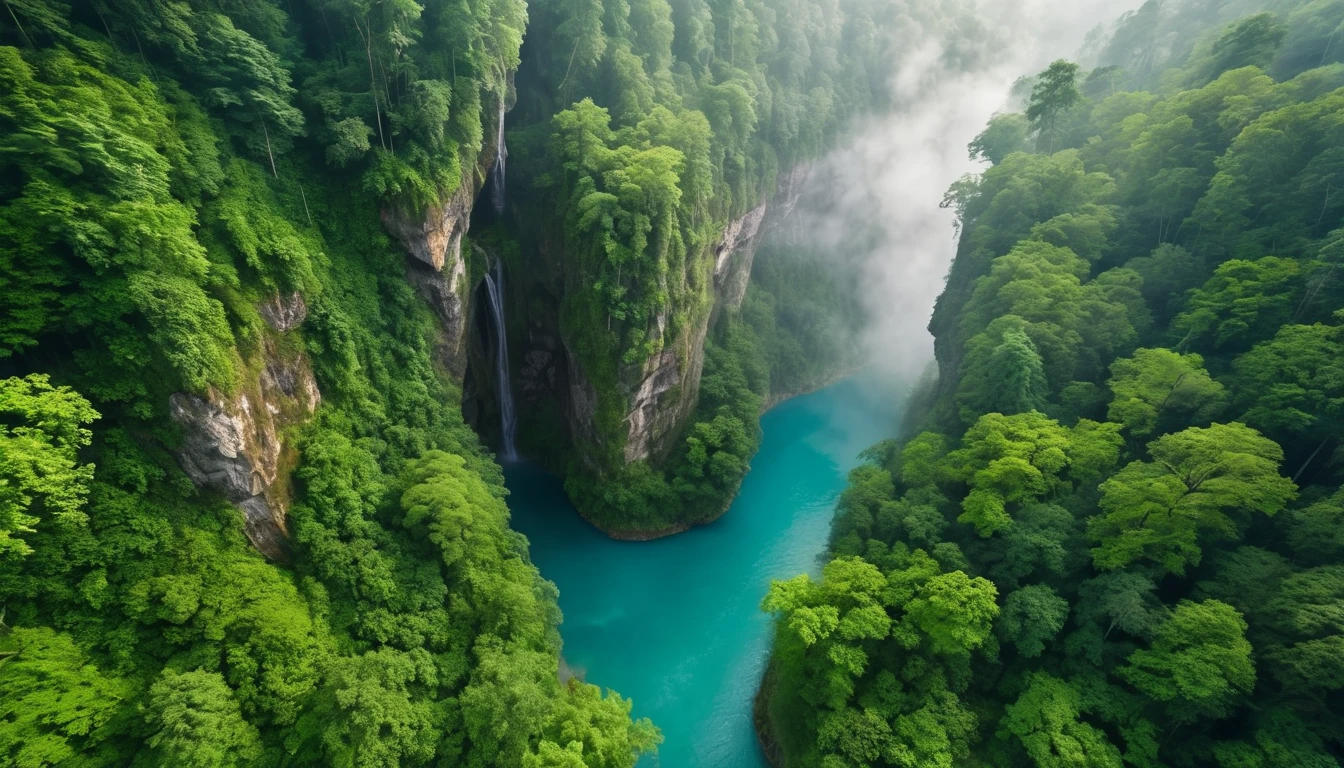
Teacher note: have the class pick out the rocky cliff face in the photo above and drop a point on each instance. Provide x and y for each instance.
(733, 257)
(736, 249)
(433, 239)
(233, 444)
(664, 395)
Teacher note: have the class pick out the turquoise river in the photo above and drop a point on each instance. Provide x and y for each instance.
(675, 624)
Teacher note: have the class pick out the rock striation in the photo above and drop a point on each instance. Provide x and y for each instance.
(233, 444)
(665, 394)
(433, 240)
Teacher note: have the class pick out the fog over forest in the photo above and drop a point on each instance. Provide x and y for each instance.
(875, 211)
(355, 353)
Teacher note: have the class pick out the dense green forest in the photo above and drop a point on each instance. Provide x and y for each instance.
(797, 328)
(165, 169)
(210, 349)
(1112, 535)
(693, 111)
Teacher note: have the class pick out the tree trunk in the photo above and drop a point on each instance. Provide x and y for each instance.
(1174, 387)
(23, 31)
(267, 134)
(373, 82)
(1310, 458)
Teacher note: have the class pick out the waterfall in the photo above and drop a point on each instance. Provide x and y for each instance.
(498, 196)
(494, 286)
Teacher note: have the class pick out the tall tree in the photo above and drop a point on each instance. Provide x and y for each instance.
(1198, 479)
(197, 723)
(1047, 720)
(1055, 92)
(1199, 664)
(1156, 384)
(41, 478)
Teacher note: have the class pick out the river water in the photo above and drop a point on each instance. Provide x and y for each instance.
(675, 624)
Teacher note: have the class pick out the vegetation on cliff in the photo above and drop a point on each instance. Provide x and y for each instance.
(647, 128)
(1113, 540)
(190, 195)
(165, 170)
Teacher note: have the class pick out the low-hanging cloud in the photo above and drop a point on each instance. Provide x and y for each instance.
(877, 211)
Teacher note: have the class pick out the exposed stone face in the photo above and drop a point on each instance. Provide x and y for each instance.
(736, 249)
(232, 444)
(669, 385)
(734, 254)
(284, 313)
(789, 190)
(446, 294)
(666, 395)
(433, 238)
(582, 410)
(662, 394)
(537, 375)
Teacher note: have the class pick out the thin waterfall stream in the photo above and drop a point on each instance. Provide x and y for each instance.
(498, 191)
(508, 422)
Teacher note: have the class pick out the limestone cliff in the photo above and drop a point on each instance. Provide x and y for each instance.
(736, 249)
(433, 239)
(661, 395)
(233, 444)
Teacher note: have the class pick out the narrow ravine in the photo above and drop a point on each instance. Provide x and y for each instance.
(675, 624)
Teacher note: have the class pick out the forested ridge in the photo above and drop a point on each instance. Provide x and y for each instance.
(1112, 533)
(209, 346)
(693, 114)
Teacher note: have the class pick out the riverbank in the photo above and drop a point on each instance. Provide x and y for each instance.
(829, 379)
(771, 402)
(675, 624)
(760, 717)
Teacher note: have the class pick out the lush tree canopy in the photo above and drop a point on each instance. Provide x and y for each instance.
(1134, 436)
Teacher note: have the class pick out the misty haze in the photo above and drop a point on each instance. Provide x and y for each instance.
(672, 383)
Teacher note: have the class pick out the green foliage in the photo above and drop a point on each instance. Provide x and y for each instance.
(1198, 477)
(625, 219)
(1199, 664)
(652, 133)
(1293, 384)
(1036, 291)
(1046, 719)
(1031, 617)
(828, 631)
(57, 705)
(197, 723)
(162, 178)
(1005, 135)
(712, 456)
(1164, 258)
(1012, 460)
(1021, 374)
(1314, 533)
(955, 612)
(1055, 91)
(99, 246)
(41, 479)
(1250, 42)
(802, 310)
(1156, 385)
(1240, 298)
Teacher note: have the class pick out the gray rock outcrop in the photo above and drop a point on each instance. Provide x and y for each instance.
(667, 391)
(433, 239)
(233, 444)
